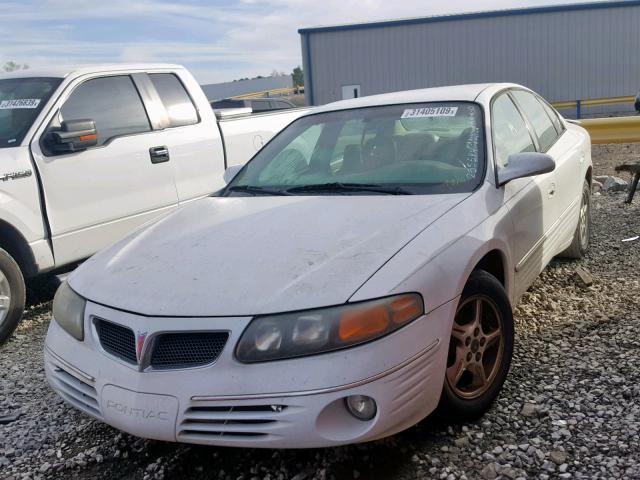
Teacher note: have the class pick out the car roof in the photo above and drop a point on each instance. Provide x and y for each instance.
(461, 93)
(63, 72)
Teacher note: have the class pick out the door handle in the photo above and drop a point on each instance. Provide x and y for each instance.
(159, 154)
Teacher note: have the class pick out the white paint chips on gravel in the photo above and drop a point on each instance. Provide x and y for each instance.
(570, 407)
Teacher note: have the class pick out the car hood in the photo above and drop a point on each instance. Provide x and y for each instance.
(242, 256)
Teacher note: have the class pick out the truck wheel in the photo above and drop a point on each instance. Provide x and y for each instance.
(12, 295)
(480, 349)
(582, 235)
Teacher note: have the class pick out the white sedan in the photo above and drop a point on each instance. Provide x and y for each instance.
(358, 273)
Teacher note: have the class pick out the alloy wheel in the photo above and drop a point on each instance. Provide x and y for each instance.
(5, 297)
(584, 221)
(476, 347)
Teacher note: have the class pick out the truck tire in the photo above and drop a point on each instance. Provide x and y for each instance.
(12, 295)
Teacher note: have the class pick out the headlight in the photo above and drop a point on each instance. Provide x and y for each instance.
(275, 337)
(68, 311)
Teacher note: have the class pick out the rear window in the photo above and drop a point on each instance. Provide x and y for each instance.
(175, 98)
(539, 119)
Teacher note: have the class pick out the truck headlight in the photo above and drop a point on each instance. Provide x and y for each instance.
(288, 335)
(68, 311)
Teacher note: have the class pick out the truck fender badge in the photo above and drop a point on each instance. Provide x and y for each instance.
(15, 175)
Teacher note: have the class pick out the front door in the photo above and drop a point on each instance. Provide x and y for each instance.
(96, 196)
(531, 200)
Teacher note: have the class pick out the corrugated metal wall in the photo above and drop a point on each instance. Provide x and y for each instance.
(562, 55)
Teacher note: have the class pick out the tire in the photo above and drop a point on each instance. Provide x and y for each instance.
(475, 346)
(582, 235)
(12, 295)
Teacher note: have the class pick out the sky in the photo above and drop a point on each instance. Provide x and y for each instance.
(218, 40)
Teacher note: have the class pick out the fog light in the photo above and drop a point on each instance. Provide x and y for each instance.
(362, 407)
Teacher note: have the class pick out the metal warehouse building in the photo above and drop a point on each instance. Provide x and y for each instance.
(568, 52)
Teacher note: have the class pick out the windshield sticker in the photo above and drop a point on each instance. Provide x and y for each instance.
(19, 103)
(430, 112)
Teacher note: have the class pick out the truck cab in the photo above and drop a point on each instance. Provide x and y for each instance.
(88, 155)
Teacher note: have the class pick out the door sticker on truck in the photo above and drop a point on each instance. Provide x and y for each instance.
(19, 103)
(430, 112)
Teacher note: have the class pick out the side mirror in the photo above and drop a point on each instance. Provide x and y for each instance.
(230, 173)
(74, 136)
(525, 164)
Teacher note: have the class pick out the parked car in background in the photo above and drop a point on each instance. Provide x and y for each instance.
(89, 154)
(255, 104)
(358, 272)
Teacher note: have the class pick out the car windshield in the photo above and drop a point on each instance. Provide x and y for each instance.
(21, 100)
(399, 149)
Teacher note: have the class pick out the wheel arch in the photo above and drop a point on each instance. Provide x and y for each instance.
(494, 259)
(589, 175)
(17, 246)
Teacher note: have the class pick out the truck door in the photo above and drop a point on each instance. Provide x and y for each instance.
(96, 196)
(192, 136)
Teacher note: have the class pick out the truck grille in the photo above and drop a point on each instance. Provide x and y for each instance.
(117, 340)
(184, 350)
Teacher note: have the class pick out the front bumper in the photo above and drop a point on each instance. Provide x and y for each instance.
(296, 403)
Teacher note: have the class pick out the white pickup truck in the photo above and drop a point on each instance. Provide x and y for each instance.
(89, 154)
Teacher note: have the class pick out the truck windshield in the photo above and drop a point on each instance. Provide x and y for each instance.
(21, 100)
(397, 149)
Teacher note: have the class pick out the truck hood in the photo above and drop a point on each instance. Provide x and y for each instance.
(242, 256)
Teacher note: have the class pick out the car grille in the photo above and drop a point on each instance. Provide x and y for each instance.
(117, 340)
(183, 350)
(78, 393)
(168, 350)
(202, 424)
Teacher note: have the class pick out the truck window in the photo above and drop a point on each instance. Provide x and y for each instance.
(175, 98)
(21, 100)
(112, 103)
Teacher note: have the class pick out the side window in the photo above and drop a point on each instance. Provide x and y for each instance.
(175, 98)
(112, 103)
(553, 115)
(510, 133)
(261, 106)
(539, 119)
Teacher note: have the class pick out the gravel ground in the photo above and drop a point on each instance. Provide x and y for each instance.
(569, 409)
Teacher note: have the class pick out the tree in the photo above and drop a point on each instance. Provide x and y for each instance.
(298, 76)
(13, 66)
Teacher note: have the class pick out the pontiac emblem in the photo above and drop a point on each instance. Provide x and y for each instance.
(141, 337)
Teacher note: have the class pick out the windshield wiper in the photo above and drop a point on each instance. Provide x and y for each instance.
(257, 190)
(349, 187)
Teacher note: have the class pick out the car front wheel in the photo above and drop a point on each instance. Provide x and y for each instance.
(12, 295)
(480, 348)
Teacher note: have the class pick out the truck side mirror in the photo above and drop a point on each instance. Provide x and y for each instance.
(525, 164)
(230, 173)
(74, 136)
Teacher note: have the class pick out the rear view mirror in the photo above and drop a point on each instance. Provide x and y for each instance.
(231, 172)
(525, 164)
(74, 136)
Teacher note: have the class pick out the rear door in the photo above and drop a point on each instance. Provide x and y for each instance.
(191, 135)
(554, 140)
(531, 200)
(96, 196)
